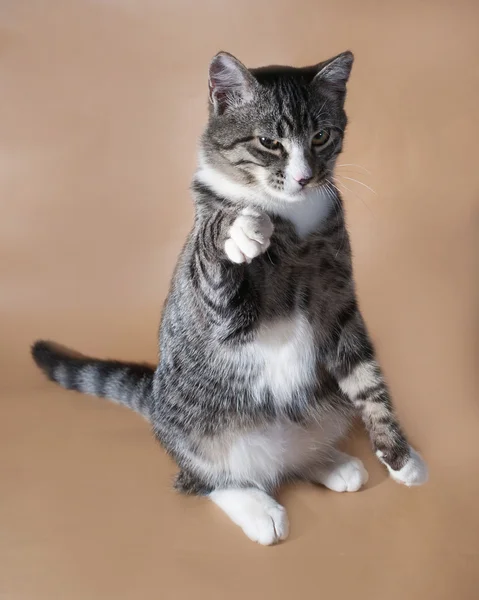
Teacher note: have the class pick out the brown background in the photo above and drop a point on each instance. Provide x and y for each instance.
(101, 104)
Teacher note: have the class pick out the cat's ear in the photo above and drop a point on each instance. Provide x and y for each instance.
(334, 73)
(230, 82)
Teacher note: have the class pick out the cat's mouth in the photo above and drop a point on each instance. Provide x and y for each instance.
(289, 190)
(312, 186)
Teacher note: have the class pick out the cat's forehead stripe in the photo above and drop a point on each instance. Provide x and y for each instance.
(292, 105)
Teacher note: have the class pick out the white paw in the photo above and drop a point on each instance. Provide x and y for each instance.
(249, 236)
(414, 471)
(346, 474)
(261, 518)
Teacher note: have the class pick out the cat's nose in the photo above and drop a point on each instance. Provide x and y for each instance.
(303, 180)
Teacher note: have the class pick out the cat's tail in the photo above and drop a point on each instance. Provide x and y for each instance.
(129, 384)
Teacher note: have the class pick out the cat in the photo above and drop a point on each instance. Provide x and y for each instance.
(264, 355)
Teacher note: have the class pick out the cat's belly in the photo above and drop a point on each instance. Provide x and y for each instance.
(282, 360)
(266, 455)
(284, 357)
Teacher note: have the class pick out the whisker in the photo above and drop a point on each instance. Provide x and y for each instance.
(321, 110)
(332, 125)
(358, 197)
(350, 172)
(355, 165)
(361, 183)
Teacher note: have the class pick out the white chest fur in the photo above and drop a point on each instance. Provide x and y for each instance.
(284, 352)
(307, 213)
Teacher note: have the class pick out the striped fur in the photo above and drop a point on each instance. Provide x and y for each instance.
(264, 356)
(128, 384)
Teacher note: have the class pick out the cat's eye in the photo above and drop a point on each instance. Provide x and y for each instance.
(321, 138)
(270, 144)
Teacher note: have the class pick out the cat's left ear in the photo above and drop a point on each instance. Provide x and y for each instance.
(334, 73)
(230, 82)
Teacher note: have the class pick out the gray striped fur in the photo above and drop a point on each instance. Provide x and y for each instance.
(271, 350)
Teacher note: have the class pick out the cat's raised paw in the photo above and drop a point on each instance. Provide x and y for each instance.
(414, 472)
(249, 236)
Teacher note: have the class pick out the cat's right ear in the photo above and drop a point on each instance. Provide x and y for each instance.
(230, 83)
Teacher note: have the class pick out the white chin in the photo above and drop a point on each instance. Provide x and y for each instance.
(284, 195)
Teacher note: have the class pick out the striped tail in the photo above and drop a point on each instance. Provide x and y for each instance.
(129, 384)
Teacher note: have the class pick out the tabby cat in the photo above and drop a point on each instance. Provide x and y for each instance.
(264, 355)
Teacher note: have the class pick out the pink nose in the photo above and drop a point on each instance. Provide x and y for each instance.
(302, 179)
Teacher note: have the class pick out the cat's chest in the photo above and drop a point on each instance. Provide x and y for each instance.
(284, 356)
(306, 215)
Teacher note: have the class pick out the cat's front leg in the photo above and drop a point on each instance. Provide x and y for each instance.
(360, 378)
(249, 236)
(261, 518)
(222, 282)
(364, 384)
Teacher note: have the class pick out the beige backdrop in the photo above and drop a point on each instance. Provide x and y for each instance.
(101, 104)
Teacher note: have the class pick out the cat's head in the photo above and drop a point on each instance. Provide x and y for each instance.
(275, 131)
